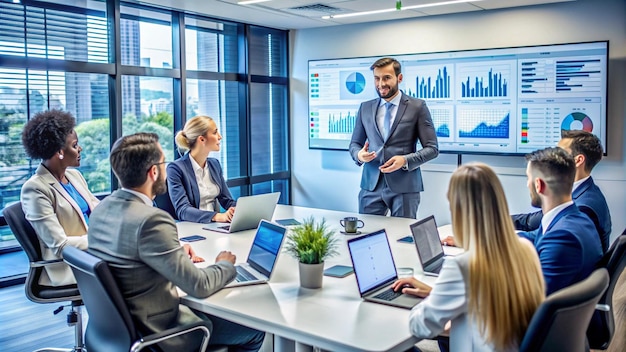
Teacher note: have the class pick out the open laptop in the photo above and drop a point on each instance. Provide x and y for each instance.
(428, 243)
(248, 212)
(375, 270)
(261, 260)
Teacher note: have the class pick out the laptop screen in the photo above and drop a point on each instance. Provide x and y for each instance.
(372, 260)
(427, 240)
(266, 246)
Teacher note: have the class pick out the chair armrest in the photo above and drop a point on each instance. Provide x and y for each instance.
(43, 263)
(173, 332)
(603, 307)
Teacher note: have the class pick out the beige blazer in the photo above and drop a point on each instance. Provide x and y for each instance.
(57, 219)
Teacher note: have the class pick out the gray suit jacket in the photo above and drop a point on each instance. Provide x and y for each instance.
(412, 124)
(57, 219)
(140, 244)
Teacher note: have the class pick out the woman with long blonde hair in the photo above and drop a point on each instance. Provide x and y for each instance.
(196, 182)
(491, 291)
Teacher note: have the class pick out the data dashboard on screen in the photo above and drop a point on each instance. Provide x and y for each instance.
(500, 101)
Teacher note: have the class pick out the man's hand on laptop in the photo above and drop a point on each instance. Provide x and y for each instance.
(192, 254)
(227, 256)
(449, 241)
(226, 216)
(411, 286)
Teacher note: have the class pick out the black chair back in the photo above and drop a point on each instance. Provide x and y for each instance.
(27, 238)
(164, 202)
(110, 326)
(560, 322)
(602, 326)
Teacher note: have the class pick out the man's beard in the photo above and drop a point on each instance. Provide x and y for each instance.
(160, 186)
(535, 200)
(391, 93)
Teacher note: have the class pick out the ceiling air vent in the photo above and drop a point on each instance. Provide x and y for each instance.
(314, 10)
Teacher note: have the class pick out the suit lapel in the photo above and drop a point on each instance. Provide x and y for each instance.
(191, 174)
(374, 111)
(54, 183)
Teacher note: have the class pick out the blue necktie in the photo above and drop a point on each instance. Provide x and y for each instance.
(387, 120)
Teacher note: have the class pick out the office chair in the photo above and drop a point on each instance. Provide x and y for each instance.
(602, 326)
(560, 322)
(163, 201)
(110, 326)
(27, 237)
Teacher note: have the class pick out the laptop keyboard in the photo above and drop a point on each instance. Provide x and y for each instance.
(244, 275)
(388, 295)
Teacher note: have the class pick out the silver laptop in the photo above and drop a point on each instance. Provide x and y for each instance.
(248, 212)
(375, 270)
(261, 260)
(428, 244)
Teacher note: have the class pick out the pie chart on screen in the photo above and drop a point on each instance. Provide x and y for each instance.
(577, 121)
(355, 83)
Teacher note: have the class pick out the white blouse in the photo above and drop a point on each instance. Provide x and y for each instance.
(207, 188)
(448, 302)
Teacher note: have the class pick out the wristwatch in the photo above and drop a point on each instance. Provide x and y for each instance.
(405, 167)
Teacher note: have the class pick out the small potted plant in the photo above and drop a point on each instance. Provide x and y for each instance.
(311, 243)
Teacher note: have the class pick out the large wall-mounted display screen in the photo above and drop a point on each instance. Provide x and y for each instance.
(500, 101)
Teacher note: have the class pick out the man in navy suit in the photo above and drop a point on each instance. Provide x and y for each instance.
(384, 142)
(587, 151)
(566, 240)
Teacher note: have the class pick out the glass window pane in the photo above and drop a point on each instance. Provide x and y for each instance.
(80, 35)
(281, 186)
(146, 40)
(210, 46)
(268, 132)
(268, 52)
(84, 95)
(147, 107)
(220, 101)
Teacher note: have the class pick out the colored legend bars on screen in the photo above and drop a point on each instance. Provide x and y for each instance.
(314, 124)
(578, 75)
(524, 125)
(314, 85)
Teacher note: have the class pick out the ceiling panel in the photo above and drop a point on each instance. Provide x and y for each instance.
(299, 14)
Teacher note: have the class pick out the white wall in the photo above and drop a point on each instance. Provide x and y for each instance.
(330, 179)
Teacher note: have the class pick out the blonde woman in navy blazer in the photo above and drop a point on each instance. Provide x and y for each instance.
(199, 137)
(56, 199)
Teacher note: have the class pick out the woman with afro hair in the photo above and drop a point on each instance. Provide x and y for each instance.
(56, 200)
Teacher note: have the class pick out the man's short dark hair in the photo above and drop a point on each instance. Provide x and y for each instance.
(385, 61)
(587, 144)
(44, 134)
(556, 167)
(132, 156)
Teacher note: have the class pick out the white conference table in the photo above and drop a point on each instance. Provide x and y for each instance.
(332, 318)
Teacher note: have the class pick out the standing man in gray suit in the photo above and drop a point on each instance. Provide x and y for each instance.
(384, 142)
(140, 244)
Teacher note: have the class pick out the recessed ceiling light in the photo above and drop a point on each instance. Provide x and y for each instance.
(365, 13)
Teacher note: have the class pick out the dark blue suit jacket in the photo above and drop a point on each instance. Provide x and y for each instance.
(568, 249)
(412, 123)
(590, 200)
(184, 193)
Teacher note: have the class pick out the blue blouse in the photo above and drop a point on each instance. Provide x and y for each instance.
(82, 203)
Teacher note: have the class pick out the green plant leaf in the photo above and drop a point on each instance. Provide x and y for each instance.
(312, 242)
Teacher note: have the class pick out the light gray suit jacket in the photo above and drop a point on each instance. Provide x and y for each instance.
(412, 124)
(140, 244)
(57, 219)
